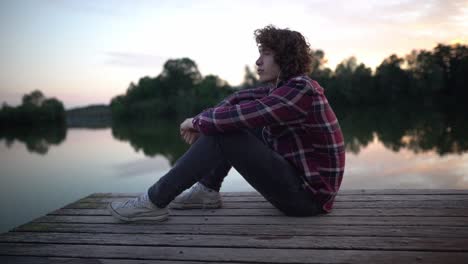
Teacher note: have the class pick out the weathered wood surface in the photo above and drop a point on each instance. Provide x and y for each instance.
(366, 226)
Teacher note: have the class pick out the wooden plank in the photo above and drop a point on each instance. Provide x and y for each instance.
(339, 205)
(221, 254)
(276, 212)
(366, 226)
(236, 241)
(399, 197)
(349, 198)
(340, 193)
(58, 260)
(402, 191)
(272, 220)
(217, 229)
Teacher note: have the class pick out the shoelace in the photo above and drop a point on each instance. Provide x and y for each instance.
(194, 189)
(140, 201)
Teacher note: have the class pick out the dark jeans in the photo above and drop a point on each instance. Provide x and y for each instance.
(210, 158)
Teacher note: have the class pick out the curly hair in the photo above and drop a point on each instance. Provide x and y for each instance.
(291, 50)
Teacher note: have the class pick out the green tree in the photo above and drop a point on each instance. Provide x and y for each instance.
(209, 91)
(392, 81)
(181, 74)
(35, 98)
(35, 110)
(53, 110)
(453, 60)
(319, 72)
(179, 91)
(353, 83)
(250, 79)
(426, 75)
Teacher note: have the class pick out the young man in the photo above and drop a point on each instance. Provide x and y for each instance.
(283, 138)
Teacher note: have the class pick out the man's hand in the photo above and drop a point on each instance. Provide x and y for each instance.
(187, 125)
(188, 132)
(190, 136)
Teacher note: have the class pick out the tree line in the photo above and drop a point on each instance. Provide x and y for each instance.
(419, 130)
(434, 77)
(423, 77)
(179, 90)
(35, 109)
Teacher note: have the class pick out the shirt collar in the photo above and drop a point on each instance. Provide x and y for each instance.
(280, 83)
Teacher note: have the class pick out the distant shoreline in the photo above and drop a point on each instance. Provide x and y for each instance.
(89, 116)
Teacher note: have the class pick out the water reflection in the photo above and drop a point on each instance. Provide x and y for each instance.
(153, 137)
(376, 167)
(417, 129)
(387, 149)
(36, 139)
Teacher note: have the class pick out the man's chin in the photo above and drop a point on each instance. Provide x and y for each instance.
(266, 81)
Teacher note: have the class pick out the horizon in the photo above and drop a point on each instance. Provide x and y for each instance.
(84, 53)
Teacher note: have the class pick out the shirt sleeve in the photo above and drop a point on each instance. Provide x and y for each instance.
(284, 104)
(244, 95)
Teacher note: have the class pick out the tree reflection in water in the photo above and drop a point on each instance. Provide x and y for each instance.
(418, 129)
(37, 139)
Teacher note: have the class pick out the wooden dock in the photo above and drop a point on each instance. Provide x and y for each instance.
(366, 226)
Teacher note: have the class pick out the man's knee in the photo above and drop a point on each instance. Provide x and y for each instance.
(236, 138)
(231, 135)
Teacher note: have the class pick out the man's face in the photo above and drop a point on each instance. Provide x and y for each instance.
(267, 68)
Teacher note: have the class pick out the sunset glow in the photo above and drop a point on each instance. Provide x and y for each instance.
(86, 52)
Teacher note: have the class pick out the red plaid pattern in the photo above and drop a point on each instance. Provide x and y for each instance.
(298, 123)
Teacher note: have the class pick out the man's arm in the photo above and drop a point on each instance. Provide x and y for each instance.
(289, 102)
(244, 95)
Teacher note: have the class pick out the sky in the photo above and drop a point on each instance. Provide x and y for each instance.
(85, 52)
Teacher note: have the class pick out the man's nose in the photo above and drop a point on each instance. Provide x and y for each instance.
(259, 61)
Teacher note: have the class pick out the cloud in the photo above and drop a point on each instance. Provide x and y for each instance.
(101, 8)
(435, 11)
(412, 14)
(134, 60)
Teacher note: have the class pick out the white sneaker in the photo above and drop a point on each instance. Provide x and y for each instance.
(198, 197)
(137, 209)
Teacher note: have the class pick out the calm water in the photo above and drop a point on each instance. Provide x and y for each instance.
(44, 169)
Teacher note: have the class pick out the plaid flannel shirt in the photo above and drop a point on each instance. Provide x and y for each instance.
(298, 123)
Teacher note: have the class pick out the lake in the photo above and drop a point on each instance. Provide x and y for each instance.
(47, 168)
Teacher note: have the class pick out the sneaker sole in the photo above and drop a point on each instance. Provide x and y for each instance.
(158, 218)
(182, 206)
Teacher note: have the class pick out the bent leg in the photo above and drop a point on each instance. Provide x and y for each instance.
(267, 171)
(215, 177)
